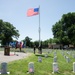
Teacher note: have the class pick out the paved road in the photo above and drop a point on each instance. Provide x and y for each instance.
(13, 56)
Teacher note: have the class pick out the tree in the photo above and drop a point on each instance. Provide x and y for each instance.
(71, 34)
(45, 44)
(68, 21)
(64, 29)
(1, 29)
(7, 32)
(28, 41)
(50, 41)
(57, 31)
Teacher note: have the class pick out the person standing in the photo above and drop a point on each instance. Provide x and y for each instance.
(34, 49)
(20, 46)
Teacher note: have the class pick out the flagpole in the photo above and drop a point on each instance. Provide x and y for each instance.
(39, 28)
(40, 48)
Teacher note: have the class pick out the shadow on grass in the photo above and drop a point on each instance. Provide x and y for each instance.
(43, 55)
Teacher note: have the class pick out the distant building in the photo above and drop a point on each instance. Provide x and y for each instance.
(60, 46)
(55, 46)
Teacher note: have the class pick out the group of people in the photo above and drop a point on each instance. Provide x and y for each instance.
(16, 45)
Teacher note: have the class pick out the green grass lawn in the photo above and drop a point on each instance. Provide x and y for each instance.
(20, 67)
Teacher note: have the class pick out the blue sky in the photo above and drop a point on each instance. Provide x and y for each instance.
(51, 11)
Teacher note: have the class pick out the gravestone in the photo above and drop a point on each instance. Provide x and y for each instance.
(67, 52)
(55, 67)
(73, 55)
(55, 59)
(63, 53)
(68, 59)
(74, 67)
(65, 56)
(48, 52)
(31, 67)
(4, 68)
(39, 59)
(54, 54)
(46, 55)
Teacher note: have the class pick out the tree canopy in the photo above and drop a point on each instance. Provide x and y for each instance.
(7, 32)
(64, 29)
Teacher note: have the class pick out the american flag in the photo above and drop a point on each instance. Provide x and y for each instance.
(30, 70)
(32, 11)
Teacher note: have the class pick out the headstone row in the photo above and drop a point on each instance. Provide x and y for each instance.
(55, 64)
(31, 68)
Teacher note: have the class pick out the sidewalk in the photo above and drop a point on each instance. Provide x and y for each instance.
(12, 57)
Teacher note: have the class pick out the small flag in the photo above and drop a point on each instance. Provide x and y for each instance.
(32, 12)
(30, 70)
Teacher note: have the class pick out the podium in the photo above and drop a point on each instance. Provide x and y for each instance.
(7, 50)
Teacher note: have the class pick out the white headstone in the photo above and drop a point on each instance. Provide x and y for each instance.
(55, 67)
(0, 44)
(31, 67)
(63, 53)
(74, 67)
(68, 53)
(73, 55)
(68, 59)
(65, 56)
(4, 68)
(46, 55)
(54, 54)
(39, 59)
(55, 59)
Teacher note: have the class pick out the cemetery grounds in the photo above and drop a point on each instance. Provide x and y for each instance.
(20, 67)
